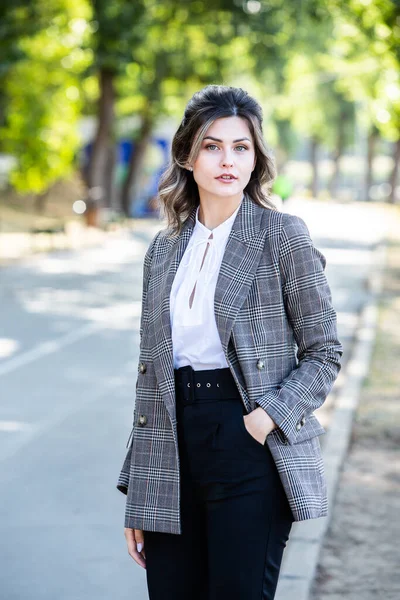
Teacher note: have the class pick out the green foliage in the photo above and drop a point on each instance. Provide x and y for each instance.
(307, 62)
(364, 54)
(43, 93)
(117, 28)
(183, 50)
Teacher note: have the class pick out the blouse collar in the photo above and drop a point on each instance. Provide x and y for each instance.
(218, 232)
(199, 240)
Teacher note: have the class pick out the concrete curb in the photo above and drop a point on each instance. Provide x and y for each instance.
(306, 539)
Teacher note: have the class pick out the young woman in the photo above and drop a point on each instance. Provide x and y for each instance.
(238, 347)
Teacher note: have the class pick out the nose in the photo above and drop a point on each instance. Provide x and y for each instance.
(227, 159)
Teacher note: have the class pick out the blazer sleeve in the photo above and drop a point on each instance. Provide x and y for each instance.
(308, 306)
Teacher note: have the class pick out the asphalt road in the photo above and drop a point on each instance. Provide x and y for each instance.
(69, 327)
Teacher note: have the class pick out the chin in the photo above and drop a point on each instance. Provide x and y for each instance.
(226, 190)
(227, 194)
(222, 190)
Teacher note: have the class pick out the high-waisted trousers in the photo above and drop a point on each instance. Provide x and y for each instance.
(235, 516)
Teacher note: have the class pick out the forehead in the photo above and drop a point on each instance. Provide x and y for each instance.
(229, 128)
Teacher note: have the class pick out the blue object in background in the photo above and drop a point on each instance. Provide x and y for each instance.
(125, 148)
(141, 207)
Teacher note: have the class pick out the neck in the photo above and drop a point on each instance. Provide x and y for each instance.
(212, 213)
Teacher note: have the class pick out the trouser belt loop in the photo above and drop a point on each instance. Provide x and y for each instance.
(185, 384)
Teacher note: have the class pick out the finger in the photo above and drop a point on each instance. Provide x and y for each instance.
(132, 549)
(139, 537)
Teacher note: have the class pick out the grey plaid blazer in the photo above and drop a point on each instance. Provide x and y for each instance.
(272, 304)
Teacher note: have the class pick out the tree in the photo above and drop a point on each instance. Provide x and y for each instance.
(364, 52)
(177, 58)
(43, 99)
(17, 19)
(189, 46)
(118, 31)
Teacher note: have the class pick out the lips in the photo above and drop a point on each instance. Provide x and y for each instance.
(226, 177)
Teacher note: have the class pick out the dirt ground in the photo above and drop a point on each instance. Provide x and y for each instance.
(361, 555)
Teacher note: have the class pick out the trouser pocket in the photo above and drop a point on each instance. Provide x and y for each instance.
(232, 434)
(246, 433)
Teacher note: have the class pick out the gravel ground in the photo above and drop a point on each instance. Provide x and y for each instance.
(361, 555)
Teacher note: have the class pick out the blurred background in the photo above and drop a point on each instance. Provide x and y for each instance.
(91, 94)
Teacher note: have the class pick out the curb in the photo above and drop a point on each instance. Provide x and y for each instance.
(306, 539)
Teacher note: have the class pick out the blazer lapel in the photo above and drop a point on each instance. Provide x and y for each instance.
(238, 267)
(167, 266)
(239, 264)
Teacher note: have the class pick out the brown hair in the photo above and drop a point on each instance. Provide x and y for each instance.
(177, 190)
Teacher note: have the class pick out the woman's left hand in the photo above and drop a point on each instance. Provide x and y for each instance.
(259, 424)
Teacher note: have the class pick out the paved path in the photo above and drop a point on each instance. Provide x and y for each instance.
(68, 341)
(68, 352)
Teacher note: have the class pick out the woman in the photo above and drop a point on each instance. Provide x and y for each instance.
(238, 347)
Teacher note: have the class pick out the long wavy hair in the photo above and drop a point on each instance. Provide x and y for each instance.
(177, 191)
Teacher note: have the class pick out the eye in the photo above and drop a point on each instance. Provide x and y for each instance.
(209, 146)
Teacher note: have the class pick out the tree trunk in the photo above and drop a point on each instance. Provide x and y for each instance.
(372, 138)
(99, 172)
(109, 184)
(314, 165)
(395, 172)
(333, 184)
(136, 162)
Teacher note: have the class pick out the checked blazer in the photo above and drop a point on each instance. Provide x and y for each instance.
(274, 314)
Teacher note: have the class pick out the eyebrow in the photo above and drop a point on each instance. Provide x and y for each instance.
(209, 137)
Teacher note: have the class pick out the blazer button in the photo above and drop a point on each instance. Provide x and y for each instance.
(303, 420)
(260, 364)
(142, 367)
(298, 426)
(142, 420)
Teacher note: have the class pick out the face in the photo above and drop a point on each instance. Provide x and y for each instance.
(228, 149)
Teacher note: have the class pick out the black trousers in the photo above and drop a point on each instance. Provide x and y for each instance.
(235, 515)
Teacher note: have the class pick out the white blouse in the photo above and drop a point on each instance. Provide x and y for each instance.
(195, 336)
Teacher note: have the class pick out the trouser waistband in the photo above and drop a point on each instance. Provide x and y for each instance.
(204, 386)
